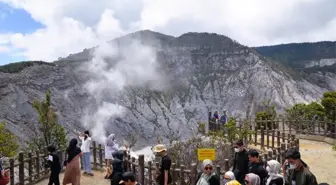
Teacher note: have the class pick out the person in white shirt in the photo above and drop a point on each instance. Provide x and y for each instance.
(86, 144)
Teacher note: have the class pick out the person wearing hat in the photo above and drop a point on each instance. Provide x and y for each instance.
(241, 162)
(164, 176)
(128, 178)
(298, 174)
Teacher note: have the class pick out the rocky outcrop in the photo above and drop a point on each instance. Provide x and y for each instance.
(204, 72)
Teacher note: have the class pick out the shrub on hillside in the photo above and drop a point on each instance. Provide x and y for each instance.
(266, 117)
(19, 66)
(185, 152)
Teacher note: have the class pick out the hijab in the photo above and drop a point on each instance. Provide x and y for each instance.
(273, 169)
(204, 179)
(110, 140)
(253, 179)
(72, 149)
(231, 175)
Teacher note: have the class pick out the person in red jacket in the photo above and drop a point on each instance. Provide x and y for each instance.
(4, 175)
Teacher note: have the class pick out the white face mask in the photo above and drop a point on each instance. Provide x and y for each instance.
(268, 169)
(292, 166)
(236, 150)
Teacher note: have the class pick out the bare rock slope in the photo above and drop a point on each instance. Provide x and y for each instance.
(205, 72)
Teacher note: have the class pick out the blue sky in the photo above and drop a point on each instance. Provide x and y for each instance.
(15, 21)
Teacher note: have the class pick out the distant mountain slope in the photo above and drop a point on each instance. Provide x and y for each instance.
(302, 55)
(203, 71)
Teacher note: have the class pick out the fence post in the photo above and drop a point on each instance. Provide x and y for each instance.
(94, 151)
(173, 171)
(226, 165)
(125, 161)
(142, 169)
(21, 168)
(218, 170)
(273, 138)
(133, 165)
(37, 165)
(11, 170)
(267, 135)
(209, 126)
(30, 167)
(283, 152)
(194, 173)
(100, 153)
(182, 175)
(150, 175)
(262, 134)
(255, 134)
(297, 144)
(278, 138)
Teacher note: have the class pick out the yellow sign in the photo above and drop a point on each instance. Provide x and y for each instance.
(206, 153)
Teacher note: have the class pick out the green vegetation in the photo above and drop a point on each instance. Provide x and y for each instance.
(326, 110)
(301, 112)
(19, 66)
(296, 54)
(48, 131)
(267, 116)
(8, 142)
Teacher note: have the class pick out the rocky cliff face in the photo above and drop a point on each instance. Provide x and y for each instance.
(204, 72)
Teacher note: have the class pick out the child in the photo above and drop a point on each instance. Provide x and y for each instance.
(55, 166)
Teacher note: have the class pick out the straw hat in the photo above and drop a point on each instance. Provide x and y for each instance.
(159, 148)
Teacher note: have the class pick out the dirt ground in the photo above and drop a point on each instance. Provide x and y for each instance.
(97, 179)
(319, 156)
(320, 159)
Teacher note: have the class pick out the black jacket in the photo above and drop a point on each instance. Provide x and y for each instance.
(55, 165)
(214, 180)
(258, 169)
(117, 165)
(240, 165)
(278, 181)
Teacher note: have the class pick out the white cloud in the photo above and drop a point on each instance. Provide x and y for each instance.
(71, 26)
(3, 49)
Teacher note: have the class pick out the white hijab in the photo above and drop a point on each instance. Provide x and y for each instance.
(273, 168)
(204, 179)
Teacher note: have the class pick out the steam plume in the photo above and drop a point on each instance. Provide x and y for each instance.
(111, 70)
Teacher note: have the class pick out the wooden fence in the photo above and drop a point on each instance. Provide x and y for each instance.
(28, 168)
(306, 127)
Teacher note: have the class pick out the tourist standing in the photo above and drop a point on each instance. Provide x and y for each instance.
(110, 147)
(241, 161)
(298, 174)
(255, 166)
(164, 176)
(54, 165)
(85, 147)
(274, 177)
(72, 171)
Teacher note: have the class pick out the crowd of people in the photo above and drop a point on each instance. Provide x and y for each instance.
(247, 168)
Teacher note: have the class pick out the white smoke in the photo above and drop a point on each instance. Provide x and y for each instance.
(111, 70)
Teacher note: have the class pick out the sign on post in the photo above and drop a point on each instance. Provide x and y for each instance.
(206, 153)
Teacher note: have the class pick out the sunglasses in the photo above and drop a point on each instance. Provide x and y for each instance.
(227, 178)
(208, 168)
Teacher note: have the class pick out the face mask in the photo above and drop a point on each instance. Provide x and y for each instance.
(236, 149)
(226, 181)
(268, 169)
(292, 166)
